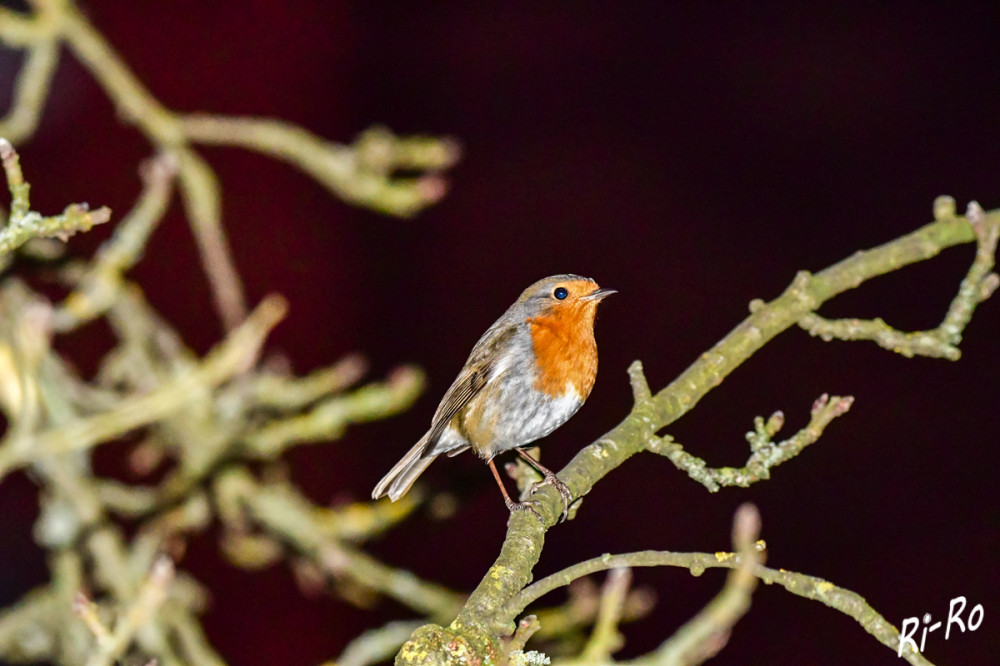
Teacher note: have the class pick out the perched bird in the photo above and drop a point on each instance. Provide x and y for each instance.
(531, 371)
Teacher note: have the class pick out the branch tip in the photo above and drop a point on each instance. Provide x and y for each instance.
(976, 215)
(12, 171)
(844, 405)
(640, 386)
(988, 285)
(162, 571)
(452, 149)
(101, 215)
(80, 600)
(431, 188)
(944, 208)
(746, 527)
(775, 423)
(526, 628)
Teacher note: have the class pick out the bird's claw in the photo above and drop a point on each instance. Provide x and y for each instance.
(513, 506)
(567, 496)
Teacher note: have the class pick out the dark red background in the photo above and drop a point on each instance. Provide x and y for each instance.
(693, 158)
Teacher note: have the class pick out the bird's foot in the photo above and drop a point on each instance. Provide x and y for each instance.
(513, 507)
(553, 480)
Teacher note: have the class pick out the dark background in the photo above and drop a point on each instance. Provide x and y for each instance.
(693, 158)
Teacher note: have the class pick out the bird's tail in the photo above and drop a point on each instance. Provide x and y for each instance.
(405, 472)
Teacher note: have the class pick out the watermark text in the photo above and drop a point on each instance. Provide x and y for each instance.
(956, 621)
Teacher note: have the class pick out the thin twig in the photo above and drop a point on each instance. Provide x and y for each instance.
(23, 224)
(605, 639)
(765, 455)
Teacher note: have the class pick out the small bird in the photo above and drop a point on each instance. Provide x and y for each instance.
(527, 375)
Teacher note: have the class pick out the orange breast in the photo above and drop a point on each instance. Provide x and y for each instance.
(565, 350)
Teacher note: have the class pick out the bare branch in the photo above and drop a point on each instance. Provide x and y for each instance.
(24, 224)
(487, 612)
(765, 454)
(941, 342)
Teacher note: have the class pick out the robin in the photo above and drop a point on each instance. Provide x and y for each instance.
(527, 375)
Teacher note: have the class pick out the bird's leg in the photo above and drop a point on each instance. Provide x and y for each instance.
(512, 506)
(550, 478)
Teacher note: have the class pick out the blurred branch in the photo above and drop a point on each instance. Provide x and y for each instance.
(111, 644)
(329, 418)
(235, 355)
(279, 391)
(605, 639)
(376, 645)
(199, 420)
(30, 90)
(564, 625)
(361, 174)
(97, 288)
(324, 537)
(26, 631)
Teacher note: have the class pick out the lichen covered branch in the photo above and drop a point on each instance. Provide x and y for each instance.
(941, 342)
(23, 224)
(745, 559)
(765, 454)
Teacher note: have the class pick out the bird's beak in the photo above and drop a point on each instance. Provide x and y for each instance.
(598, 294)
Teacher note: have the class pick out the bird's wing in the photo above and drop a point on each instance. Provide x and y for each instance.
(474, 376)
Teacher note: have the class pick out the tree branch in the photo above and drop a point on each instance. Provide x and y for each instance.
(765, 454)
(23, 224)
(809, 587)
(941, 342)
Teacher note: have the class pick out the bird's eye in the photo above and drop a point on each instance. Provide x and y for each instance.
(560, 293)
